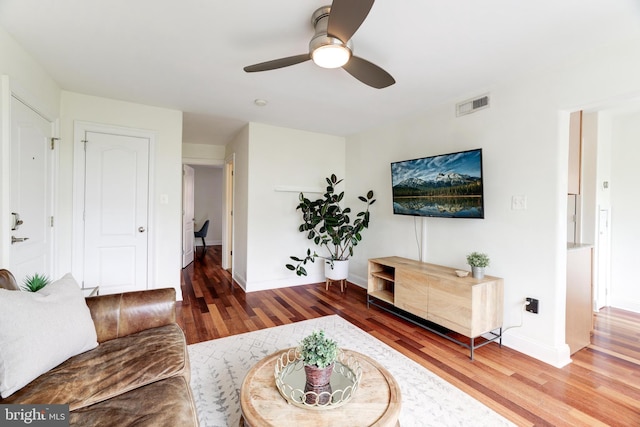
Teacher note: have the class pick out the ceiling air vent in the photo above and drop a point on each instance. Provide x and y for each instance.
(472, 105)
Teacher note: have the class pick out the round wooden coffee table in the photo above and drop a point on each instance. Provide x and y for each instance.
(376, 402)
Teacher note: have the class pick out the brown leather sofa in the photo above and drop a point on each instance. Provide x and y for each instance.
(138, 375)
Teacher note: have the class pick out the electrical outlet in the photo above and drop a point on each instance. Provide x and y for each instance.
(532, 305)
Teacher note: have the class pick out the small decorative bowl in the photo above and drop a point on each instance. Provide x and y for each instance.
(462, 273)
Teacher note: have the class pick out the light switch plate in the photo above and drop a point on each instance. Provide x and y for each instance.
(518, 203)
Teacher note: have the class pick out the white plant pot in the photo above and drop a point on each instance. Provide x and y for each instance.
(339, 271)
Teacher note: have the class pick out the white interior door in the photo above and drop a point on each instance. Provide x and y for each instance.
(31, 193)
(188, 214)
(116, 212)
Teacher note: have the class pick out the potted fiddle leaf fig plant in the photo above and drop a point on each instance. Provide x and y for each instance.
(478, 261)
(329, 226)
(318, 353)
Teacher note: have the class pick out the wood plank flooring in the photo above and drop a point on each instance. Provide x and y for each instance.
(600, 388)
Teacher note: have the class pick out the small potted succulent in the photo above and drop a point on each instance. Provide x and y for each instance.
(478, 261)
(318, 354)
(35, 283)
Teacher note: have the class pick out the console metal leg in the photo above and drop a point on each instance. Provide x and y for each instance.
(472, 347)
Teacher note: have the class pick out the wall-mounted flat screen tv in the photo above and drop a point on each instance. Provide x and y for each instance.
(447, 185)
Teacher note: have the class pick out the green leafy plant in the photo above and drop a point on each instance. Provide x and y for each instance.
(329, 225)
(318, 350)
(477, 259)
(35, 283)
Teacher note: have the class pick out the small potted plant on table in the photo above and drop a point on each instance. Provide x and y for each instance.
(318, 354)
(478, 261)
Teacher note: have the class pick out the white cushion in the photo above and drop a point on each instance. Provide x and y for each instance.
(40, 330)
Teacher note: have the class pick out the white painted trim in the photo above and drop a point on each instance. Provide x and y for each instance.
(298, 189)
(77, 254)
(288, 282)
(554, 356)
(242, 282)
(202, 162)
(32, 101)
(5, 173)
(54, 165)
(230, 160)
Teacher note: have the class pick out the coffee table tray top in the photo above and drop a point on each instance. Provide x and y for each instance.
(290, 380)
(376, 403)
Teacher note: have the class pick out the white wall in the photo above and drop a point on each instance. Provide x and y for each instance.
(22, 69)
(167, 168)
(282, 162)
(524, 137)
(208, 202)
(625, 202)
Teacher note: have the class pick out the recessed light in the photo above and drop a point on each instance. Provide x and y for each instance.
(260, 102)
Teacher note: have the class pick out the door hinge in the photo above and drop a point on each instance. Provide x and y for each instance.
(53, 142)
(85, 144)
(51, 221)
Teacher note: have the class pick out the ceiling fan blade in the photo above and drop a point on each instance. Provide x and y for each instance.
(368, 73)
(277, 63)
(346, 16)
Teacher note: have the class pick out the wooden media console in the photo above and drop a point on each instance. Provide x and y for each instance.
(410, 289)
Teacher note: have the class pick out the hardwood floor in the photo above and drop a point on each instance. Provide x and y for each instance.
(601, 387)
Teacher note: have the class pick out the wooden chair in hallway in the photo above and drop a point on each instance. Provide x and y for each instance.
(202, 233)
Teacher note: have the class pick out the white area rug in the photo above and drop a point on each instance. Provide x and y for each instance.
(219, 366)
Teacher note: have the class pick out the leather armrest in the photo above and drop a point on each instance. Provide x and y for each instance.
(7, 281)
(126, 313)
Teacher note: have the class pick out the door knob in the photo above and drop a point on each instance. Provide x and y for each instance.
(141, 229)
(15, 239)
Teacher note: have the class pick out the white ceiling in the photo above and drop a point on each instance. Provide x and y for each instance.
(189, 54)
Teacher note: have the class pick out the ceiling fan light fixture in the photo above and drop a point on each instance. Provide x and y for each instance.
(331, 56)
(331, 45)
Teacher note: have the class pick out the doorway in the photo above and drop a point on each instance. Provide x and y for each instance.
(188, 214)
(32, 186)
(605, 209)
(112, 207)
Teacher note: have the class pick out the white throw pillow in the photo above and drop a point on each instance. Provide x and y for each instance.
(40, 330)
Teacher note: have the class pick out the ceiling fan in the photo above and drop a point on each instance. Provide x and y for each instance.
(331, 45)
